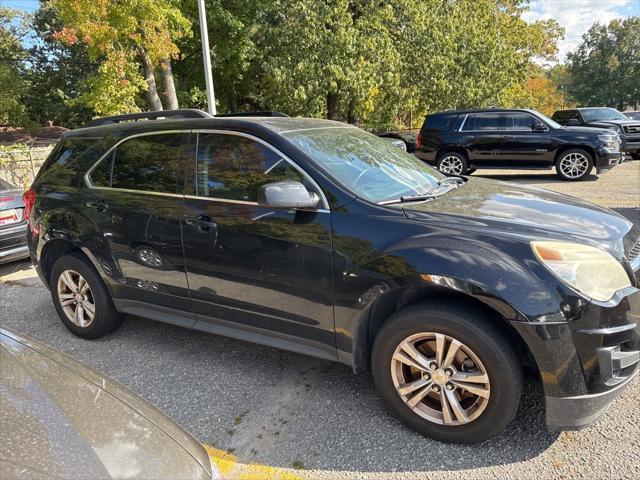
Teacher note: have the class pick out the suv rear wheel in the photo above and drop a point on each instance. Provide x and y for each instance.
(574, 164)
(453, 163)
(446, 371)
(81, 298)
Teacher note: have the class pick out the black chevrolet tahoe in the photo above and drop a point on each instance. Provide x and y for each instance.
(320, 238)
(460, 141)
(605, 117)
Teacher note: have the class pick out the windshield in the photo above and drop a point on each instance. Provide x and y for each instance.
(368, 166)
(551, 123)
(597, 114)
(633, 115)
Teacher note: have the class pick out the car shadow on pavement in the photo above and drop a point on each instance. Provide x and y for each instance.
(546, 177)
(281, 409)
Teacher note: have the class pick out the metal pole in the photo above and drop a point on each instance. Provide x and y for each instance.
(206, 56)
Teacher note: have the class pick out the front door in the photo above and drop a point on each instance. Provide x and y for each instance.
(136, 202)
(254, 272)
(523, 145)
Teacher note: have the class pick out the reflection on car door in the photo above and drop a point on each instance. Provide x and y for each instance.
(523, 145)
(254, 269)
(136, 201)
(483, 135)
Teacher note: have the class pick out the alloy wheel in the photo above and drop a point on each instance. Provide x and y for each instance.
(574, 165)
(440, 379)
(76, 298)
(451, 165)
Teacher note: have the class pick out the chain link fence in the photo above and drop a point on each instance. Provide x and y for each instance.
(19, 164)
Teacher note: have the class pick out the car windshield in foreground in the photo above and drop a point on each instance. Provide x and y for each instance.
(551, 123)
(597, 114)
(369, 166)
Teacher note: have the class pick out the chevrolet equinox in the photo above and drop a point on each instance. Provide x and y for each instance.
(317, 237)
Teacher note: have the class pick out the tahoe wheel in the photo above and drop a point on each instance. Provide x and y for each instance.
(574, 165)
(81, 298)
(447, 371)
(453, 163)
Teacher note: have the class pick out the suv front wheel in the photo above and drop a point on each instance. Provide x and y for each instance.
(81, 298)
(574, 164)
(453, 163)
(447, 371)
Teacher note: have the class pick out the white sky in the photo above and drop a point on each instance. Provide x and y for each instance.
(576, 16)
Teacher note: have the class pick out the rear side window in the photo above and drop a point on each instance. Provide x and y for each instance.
(441, 123)
(235, 167)
(70, 159)
(484, 121)
(153, 163)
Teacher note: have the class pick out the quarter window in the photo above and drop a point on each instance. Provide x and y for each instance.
(235, 167)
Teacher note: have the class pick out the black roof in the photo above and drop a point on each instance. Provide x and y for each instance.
(273, 124)
(481, 110)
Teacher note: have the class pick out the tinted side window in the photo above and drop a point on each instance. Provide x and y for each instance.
(70, 159)
(101, 174)
(234, 167)
(484, 121)
(520, 121)
(441, 122)
(150, 163)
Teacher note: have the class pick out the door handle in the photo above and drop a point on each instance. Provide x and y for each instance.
(468, 137)
(99, 205)
(509, 136)
(204, 223)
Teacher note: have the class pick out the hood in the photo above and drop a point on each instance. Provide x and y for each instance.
(588, 130)
(508, 208)
(62, 418)
(617, 122)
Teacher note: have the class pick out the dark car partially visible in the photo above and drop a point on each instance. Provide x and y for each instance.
(605, 117)
(13, 226)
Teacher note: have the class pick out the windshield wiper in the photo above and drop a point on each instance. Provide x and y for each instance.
(429, 195)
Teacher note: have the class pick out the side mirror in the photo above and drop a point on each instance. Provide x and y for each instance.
(539, 127)
(572, 122)
(287, 194)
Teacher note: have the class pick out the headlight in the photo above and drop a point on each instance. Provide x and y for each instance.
(614, 128)
(589, 270)
(610, 142)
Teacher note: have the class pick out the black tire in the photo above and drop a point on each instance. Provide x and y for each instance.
(476, 331)
(574, 151)
(449, 157)
(106, 319)
(636, 156)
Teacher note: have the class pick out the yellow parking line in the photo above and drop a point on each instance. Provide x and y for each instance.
(231, 469)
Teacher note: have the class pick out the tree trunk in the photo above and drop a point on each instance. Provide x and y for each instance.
(171, 99)
(351, 113)
(149, 76)
(333, 106)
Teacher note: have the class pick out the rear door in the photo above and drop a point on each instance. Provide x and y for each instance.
(523, 145)
(261, 271)
(136, 198)
(483, 133)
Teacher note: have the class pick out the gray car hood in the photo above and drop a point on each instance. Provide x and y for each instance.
(60, 419)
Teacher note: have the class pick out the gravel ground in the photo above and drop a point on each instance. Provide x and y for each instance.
(275, 414)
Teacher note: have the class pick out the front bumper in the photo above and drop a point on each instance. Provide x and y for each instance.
(605, 161)
(587, 362)
(631, 146)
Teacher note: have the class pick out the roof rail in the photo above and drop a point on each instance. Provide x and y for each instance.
(254, 114)
(157, 115)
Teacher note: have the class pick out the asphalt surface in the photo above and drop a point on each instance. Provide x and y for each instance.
(273, 414)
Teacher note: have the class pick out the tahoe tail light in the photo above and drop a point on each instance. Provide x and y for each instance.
(29, 199)
(419, 139)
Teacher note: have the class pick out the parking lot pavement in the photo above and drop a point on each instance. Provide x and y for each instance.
(260, 408)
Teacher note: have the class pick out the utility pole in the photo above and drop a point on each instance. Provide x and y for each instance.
(206, 56)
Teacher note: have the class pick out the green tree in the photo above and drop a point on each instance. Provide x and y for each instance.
(126, 37)
(13, 28)
(57, 74)
(605, 68)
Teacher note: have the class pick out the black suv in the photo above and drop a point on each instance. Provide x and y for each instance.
(458, 142)
(605, 117)
(317, 237)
